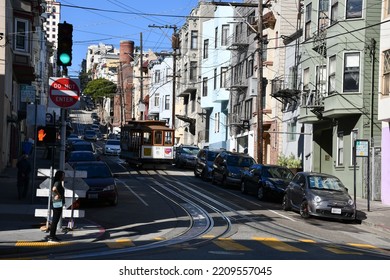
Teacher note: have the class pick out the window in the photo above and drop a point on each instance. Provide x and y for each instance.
(194, 39)
(354, 8)
(216, 122)
(21, 35)
(224, 77)
(158, 137)
(386, 73)
(204, 87)
(340, 148)
(291, 131)
(206, 48)
(193, 70)
(157, 100)
(193, 101)
(308, 21)
(157, 76)
(168, 137)
(351, 72)
(265, 44)
(321, 79)
(323, 14)
(215, 78)
(249, 67)
(225, 34)
(334, 11)
(252, 21)
(387, 8)
(332, 75)
(248, 109)
(216, 37)
(167, 102)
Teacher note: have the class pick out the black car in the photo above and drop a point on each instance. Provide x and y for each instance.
(100, 180)
(228, 167)
(186, 156)
(204, 163)
(76, 156)
(266, 181)
(319, 194)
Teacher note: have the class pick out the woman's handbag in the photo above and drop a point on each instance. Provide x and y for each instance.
(57, 203)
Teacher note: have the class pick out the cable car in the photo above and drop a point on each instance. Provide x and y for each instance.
(147, 143)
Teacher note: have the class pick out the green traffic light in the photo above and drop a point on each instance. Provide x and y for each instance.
(64, 58)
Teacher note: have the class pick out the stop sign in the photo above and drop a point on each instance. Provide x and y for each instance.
(64, 92)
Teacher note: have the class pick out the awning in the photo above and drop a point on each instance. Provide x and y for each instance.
(189, 120)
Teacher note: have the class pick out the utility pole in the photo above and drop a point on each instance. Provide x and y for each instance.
(175, 46)
(141, 100)
(259, 98)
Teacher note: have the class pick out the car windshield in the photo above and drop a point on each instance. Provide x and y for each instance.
(277, 172)
(190, 151)
(95, 170)
(326, 183)
(113, 142)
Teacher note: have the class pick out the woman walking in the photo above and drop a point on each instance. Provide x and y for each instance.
(58, 201)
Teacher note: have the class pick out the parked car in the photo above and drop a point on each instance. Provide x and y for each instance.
(90, 134)
(101, 182)
(112, 147)
(76, 156)
(204, 163)
(266, 181)
(318, 194)
(186, 156)
(228, 167)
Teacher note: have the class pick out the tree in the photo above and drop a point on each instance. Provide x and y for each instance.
(100, 88)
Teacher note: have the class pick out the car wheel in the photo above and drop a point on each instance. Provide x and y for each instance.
(286, 203)
(304, 209)
(115, 201)
(196, 173)
(260, 193)
(213, 179)
(243, 188)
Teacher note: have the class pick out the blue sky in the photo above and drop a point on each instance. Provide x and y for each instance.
(110, 21)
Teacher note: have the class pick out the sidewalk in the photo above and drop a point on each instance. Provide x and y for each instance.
(18, 221)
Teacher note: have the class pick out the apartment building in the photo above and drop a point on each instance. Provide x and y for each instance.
(339, 87)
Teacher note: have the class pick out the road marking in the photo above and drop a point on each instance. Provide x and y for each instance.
(230, 245)
(120, 243)
(135, 194)
(307, 241)
(277, 244)
(365, 246)
(339, 251)
(41, 243)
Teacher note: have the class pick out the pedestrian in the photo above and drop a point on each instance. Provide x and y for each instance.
(58, 201)
(23, 176)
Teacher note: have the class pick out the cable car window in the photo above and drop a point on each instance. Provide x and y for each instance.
(157, 137)
(168, 137)
(147, 138)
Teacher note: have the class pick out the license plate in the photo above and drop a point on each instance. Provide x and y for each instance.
(336, 211)
(93, 196)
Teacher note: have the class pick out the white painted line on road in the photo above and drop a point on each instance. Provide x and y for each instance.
(136, 195)
(281, 215)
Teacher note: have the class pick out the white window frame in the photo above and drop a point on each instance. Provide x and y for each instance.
(340, 149)
(225, 34)
(216, 122)
(22, 35)
(350, 64)
(156, 100)
(352, 16)
(332, 75)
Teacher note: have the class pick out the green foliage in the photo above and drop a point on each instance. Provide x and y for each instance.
(100, 88)
(289, 161)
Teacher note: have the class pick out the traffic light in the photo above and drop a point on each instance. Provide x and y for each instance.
(46, 134)
(245, 124)
(64, 44)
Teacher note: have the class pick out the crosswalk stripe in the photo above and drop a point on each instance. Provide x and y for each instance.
(277, 244)
(120, 243)
(229, 244)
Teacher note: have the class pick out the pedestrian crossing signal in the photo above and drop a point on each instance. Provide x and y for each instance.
(46, 134)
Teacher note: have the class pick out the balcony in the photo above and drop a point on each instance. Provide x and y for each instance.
(236, 43)
(187, 88)
(342, 104)
(311, 109)
(284, 91)
(319, 42)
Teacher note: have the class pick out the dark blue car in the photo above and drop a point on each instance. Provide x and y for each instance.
(204, 163)
(266, 181)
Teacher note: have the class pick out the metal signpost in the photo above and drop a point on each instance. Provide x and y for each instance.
(361, 149)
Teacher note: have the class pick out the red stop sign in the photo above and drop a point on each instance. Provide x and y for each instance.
(64, 92)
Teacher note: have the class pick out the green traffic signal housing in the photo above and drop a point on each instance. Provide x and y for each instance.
(64, 44)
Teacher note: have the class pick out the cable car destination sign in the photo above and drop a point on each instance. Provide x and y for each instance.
(64, 93)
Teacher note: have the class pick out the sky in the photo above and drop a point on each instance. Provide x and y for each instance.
(111, 21)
